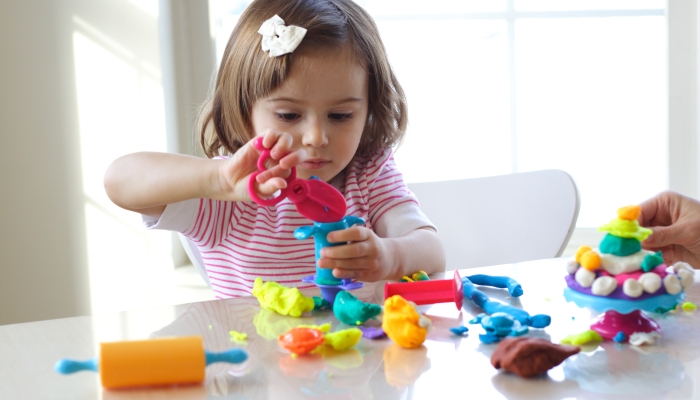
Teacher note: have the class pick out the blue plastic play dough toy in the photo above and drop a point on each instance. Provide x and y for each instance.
(320, 231)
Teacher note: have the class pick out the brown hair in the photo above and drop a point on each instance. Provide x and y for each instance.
(247, 73)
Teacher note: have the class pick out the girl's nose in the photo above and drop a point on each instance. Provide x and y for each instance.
(314, 135)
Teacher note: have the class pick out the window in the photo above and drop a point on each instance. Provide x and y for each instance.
(518, 85)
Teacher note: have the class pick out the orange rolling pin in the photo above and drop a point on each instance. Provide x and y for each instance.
(153, 362)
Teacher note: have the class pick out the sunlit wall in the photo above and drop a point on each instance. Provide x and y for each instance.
(80, 85)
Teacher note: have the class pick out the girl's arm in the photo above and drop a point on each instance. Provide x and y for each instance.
(147, 182)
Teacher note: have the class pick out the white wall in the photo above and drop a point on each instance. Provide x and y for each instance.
(43, 262)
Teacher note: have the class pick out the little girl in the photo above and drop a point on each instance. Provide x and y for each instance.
(312, 78)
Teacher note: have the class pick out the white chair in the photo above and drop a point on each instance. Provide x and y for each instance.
(195, 257)
(501, 219)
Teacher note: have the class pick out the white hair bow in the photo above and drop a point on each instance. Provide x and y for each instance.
(278, 38)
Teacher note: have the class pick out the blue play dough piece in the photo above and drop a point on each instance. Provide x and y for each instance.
(501, 282)
(460, 330)
(498, 326)
(620, 337)
(619, 246)
(491, 307)
(349, 310)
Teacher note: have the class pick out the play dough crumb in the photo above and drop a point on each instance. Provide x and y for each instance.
(689, 307)
(238, 336)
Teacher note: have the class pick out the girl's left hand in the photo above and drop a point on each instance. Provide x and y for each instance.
(366, 258)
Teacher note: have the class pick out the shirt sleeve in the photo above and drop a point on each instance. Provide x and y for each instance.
(177, 217)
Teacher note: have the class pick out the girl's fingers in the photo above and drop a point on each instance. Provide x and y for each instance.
(347, 251)
(354, 234)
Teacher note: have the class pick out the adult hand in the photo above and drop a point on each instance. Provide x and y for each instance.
(675, 222)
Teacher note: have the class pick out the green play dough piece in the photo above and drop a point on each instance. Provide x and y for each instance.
(349, 310)
(652, 261)
(619, 246)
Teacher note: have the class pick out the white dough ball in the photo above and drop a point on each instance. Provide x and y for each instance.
(680, 265)
(604, 285)
(571, 266)
(672, 284)
(632, 288)
(584, 277)
(650, 281)
(687, 278)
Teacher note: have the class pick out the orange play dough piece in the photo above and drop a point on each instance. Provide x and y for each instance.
(152, 362)
(629, 213)
(590, 260)
(301, 340)
(581, 250)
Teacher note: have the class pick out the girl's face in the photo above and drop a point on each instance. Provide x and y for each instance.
(323, 105)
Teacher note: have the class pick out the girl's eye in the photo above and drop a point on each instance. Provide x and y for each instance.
(287, 117)
(340, 117)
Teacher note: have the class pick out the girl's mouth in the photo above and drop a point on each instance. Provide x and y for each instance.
(314, 163)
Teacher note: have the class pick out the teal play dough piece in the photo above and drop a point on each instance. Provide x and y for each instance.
(652, 261)
(349, 310)
(619, 246)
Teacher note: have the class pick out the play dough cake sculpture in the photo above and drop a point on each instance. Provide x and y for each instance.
(621, 279)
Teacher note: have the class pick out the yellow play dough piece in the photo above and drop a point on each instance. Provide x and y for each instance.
(630, 213)
(590, 260)
(343, 339)
(626, 229)
(325, 328)
(688, 306)
(286, 301)
(403, 323)
(582, 338)
(581, 250)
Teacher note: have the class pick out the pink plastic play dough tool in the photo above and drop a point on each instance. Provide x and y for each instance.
(314, 199)
(428, 292)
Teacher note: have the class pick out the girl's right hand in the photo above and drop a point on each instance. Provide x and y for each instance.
(235, 172)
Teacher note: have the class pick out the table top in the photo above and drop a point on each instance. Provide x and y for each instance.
(444, 366)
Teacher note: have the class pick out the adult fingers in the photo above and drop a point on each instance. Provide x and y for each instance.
(665, 236)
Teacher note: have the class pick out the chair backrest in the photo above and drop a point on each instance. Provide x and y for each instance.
(501, 219)
(195, 257)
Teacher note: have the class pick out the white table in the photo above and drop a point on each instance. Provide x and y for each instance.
(446, 367)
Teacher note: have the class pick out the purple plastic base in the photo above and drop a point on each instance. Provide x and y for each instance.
(328, 292)
(609, 324)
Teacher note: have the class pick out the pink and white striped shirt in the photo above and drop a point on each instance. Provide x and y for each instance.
(239, 241)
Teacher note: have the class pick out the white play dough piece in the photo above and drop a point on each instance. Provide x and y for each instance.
(603, 286)
(641, 338)
(616, 265)
(687, 278)
(650, 281)
(682, 265)
(672, 284)
(571, 266)
(584, 277)
(632, 288)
